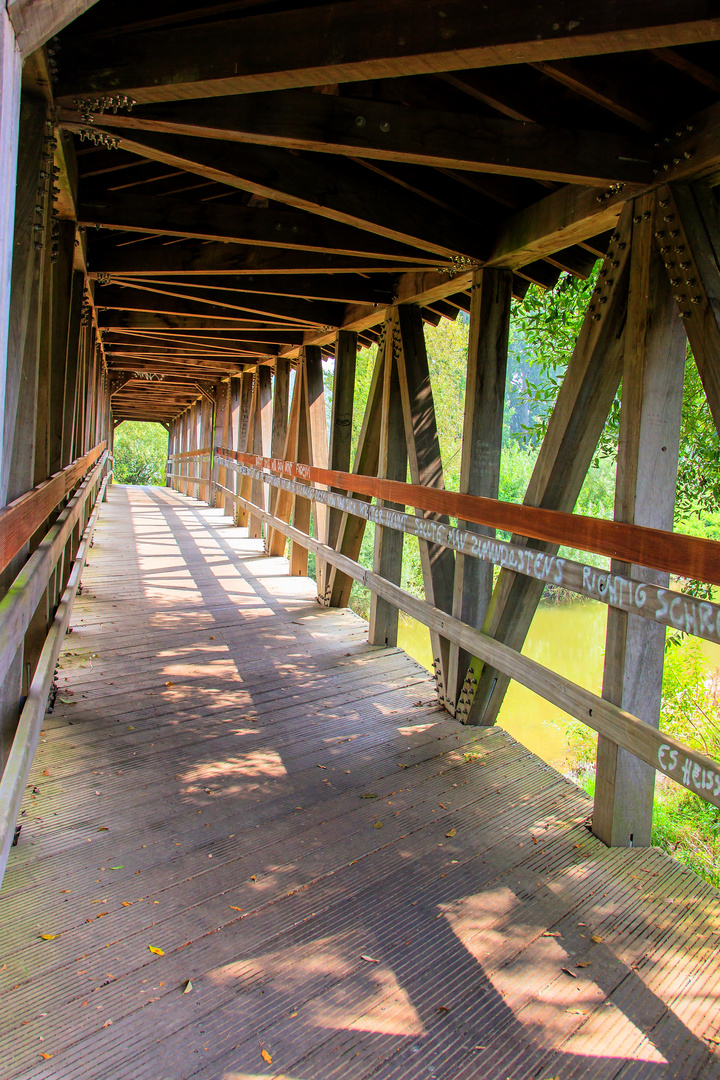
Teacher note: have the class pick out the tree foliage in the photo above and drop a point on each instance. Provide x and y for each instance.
(140, 452)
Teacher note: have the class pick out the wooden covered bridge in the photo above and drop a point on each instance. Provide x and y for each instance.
(242, 833)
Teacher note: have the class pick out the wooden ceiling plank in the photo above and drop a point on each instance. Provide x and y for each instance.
(368, 39)
(607, 97)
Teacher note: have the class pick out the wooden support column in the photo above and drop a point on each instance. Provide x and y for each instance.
(352, 529)
(301, 507)
(392, 465)
(342, 417)
(318, 451)
(284, 502)
(650, 416)
(208, 423)
(244, 434)
(262, 432)
(438, 563)
(10, 76)
(234, 387)
(220, 437)
(72, 364)
(584, 401)
(481, 448)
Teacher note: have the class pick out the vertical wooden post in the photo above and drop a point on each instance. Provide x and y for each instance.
(234, 389)
(262, 432)
(352, 529)
(10, 76)
(481, 448)
(583, 403)
(342, 417)
(438, 563)
(318, 451)
(651, 411)
(301, 453)
(220, 438)
(72, 365)
(284, 502)
(281, 397)
(392, 465)
(247, 424)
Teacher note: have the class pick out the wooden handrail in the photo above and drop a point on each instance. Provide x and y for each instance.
(676, 610)
(692, 769)
(22, 752)
(191, 453)
(21, 519)
(676, 553)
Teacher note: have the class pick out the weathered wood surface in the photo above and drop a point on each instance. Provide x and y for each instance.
(390, 952)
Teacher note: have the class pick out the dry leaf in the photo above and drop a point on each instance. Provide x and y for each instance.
(442, 1009)
(322, 766)
(377, 825)
(107, 1023)
(712, 1038)
(121, 867)
(235, 908)
(158, 952)
(169, 683)
(451, 833)
(578, 1012)
(534, 839)
(369, 959)
(127, 903)
(369, 795)
(585, 963)
(46, 1056)
(267, 1057)
(567, 971)
(48, 937)
(46, 772)
(551, 933)
(188, 987)
(597, 939)
(64, 890)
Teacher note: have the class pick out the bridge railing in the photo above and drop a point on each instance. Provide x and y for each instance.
(35, 610)
(637, 546)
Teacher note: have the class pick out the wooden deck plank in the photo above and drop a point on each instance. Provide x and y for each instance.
(165, 809)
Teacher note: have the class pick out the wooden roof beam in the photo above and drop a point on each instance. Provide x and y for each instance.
(300, 120)
(368, 39)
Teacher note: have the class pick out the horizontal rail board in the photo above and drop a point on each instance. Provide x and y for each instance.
(690, 768)
(21, 519)
(675, 553)
(666, 606)
(191, 453)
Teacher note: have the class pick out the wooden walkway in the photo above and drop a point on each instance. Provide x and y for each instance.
(354, 885)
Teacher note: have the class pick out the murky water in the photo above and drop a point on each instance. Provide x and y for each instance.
(570, 639)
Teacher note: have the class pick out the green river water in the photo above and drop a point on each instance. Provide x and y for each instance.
(570, 639)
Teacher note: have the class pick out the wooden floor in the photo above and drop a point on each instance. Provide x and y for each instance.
(354, 885)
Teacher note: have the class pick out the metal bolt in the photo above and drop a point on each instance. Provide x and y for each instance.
(385, 126)
(360, 121)
(696, 299)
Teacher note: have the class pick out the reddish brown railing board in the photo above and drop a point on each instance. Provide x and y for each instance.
(20, 519)
(684, 556)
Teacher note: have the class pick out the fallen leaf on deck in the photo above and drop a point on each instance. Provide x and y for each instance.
(48, 937)
(158, 952)
(378, 825)
(117, 867)
(127, 903)
(235, 908)
(551, 933)
(188, 987)
(169, 683)
(597, 939)
(442, 1009)
(369, 795)
(578, 1012)
(322, 766)
(64, 890)
(585, 963)
(369, 959)
(46, 1056)
(712, 1038)
(534, 839)
(267, 1057)
(46, 772)
(107, 1023)
(451, 833)
(103, 828)
(567, 971)
(442, 806)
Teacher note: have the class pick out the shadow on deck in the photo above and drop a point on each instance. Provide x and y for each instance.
(355, 885)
